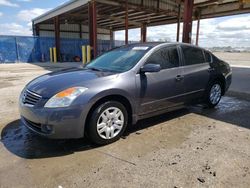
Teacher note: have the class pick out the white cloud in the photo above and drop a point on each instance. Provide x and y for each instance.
(235, 24)
(15, 29)
(1, 14)
(231, 31)
(8, 3)
(24, 0)
(28, 15)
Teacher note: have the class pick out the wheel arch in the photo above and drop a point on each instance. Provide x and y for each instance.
(114, 97)
(221, 79)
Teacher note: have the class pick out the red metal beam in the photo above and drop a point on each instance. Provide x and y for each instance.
(111, 38)
(37, 30)
(144, 33)
(90, 24)
(57, 37)
(93, 27)
(198, 31)
(126, 22)
(187, 21)
(178, 23)
(80, 31)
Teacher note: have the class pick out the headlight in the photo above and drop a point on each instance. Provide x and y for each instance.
(65, 98)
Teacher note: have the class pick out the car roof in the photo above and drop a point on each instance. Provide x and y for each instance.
(151, 45)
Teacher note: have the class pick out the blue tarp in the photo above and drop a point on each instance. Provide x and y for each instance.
(24, 49)
(8, 49)
(36, 49)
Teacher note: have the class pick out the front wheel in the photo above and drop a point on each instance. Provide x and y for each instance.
(213, 94)
(107, 123)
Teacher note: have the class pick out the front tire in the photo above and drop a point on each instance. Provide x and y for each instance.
(213, 94)
(107, 123)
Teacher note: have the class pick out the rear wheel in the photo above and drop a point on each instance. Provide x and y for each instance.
(107, 123)
(213, 94)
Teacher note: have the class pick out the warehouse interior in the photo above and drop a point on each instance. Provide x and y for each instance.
(98, 19)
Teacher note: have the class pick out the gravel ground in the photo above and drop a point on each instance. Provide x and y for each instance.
(192, 147)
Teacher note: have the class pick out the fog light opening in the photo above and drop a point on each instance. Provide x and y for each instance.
(47, 128)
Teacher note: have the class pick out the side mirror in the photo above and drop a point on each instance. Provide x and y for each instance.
(150, 68)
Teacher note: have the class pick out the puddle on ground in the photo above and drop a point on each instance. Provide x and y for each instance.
(26, 144)
(230, 109)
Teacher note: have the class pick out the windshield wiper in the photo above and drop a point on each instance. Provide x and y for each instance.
(94, 69)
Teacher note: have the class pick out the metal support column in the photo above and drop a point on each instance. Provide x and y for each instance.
(198, 30)
(178, 23)
(126, 22)
(93, 27)
(187, 21)
(33, 29)
(111, 38)
(80, 31)
(57, 37)
(37, 30)
(144, 33)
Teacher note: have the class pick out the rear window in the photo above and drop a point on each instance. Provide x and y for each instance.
(193, 55)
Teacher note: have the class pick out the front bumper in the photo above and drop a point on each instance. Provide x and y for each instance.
(57, 123)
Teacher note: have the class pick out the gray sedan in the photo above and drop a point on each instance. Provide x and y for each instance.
(121, 87)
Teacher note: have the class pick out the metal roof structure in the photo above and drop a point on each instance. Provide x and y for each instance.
(111, 13)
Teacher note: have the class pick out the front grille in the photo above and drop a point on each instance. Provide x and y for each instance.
(30, 98)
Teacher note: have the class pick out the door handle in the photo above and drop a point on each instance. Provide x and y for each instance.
(210, 69)
(179, 77)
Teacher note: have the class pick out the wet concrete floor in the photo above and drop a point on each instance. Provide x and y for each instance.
(191, 147)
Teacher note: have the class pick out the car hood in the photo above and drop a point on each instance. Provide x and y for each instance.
(52, 83)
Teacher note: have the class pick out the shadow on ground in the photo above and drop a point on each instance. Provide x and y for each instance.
(23, 143)
(20, 141)
(59, 66)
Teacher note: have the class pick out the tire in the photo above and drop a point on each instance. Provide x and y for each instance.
(213, 94)
(107, 123)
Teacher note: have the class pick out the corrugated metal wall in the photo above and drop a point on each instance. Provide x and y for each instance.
(72, 31)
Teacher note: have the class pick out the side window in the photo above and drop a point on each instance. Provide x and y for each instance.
(215, 59)
(208, 57)
(193, 55)
(167, 57)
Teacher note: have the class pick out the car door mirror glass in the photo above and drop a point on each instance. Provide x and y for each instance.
(150, 68)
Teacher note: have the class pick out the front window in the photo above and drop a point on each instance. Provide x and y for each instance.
(119, 60)
(167, 57)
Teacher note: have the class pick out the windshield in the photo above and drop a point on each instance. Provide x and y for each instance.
(118, 60)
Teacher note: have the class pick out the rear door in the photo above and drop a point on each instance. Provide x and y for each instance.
(163, 89)
(195, 71)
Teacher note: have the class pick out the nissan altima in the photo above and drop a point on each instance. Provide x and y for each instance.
(120, 87)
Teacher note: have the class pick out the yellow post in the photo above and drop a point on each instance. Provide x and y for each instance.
(88, 53)
(55, 58)
(51, 54)
(84, 54)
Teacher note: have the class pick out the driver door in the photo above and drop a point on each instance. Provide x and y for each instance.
(164, 89)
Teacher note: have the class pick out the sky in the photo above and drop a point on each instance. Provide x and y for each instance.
(16, 15)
